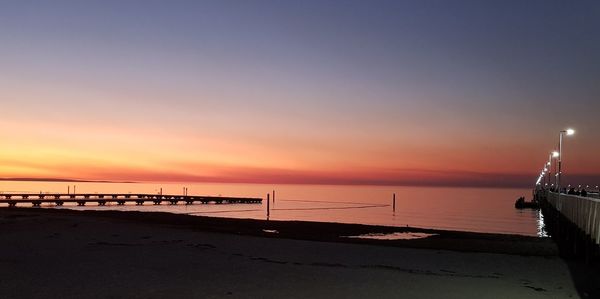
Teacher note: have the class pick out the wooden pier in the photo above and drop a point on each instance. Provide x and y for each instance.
(120, 199)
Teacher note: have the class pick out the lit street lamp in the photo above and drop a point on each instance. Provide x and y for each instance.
(555, 155)
(568, 132)
(549, 167)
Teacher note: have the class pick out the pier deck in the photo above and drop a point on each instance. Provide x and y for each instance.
(119, 198)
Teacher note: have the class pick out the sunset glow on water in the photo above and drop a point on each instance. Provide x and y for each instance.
(466, 209)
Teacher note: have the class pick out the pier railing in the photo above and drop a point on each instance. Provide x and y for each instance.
(584, 212)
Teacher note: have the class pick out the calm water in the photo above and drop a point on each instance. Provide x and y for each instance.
(466, 209)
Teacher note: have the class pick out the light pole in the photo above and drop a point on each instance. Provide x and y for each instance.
(549, 167)
(553, 154)
(568, 132)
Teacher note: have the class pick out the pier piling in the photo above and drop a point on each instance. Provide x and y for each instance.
(268, 206)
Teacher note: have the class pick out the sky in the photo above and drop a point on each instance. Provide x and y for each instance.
(448, 93)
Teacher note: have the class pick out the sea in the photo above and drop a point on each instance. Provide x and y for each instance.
(488, 210)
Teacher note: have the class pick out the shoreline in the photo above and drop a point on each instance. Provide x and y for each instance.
(327, 231)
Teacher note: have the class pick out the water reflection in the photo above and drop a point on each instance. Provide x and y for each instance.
(541, 226)
(392, 236)
(467, 209)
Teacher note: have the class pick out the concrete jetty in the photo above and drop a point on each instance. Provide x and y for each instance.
(573, 222)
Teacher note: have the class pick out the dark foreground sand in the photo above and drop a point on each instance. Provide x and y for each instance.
(103, 254)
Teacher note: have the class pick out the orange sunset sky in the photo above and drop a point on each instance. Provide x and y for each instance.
(388, 94)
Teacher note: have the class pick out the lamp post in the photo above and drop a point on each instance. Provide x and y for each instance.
(549, 167)
(553, 154)
(568, 132)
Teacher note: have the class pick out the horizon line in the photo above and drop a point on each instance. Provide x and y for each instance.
(324, 182)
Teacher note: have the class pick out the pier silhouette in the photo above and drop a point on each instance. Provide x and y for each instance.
(102, 199)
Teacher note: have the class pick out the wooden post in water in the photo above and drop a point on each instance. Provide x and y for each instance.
(68, 189)
(268, 206)
(273, 196)
(394, 202)
(74, 189)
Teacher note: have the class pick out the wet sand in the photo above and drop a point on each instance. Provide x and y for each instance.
(48, 253)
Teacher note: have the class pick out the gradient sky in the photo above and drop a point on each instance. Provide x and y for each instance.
(466, 93)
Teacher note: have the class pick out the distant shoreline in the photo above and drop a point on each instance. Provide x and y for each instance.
(59, 180)
(62, 180)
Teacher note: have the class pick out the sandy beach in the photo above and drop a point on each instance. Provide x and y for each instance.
(48, 253)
